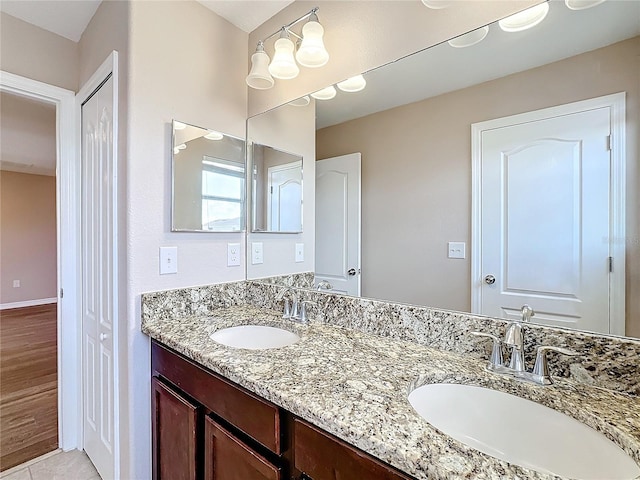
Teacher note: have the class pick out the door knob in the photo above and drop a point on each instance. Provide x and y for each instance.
(351, 272)
(489, 279)
(104, 336)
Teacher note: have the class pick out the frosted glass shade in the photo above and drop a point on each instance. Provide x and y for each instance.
(259, 76)
(213, 135)
(312, 52)
(325, 94)
(283, 65)
(471, 38)
(300, 102)
(582, 4)
(353, 84)
(526, 19)
(437, 4)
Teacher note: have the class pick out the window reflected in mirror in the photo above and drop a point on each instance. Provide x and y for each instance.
(208, 180)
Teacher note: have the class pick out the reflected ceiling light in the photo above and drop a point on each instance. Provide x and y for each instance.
(300, 102)
(213, 135)
(526, 19)
(259, 76)
(311, 53)
(471, 38)
(353, 84)
(437, 4)
(182, 146)
(325, 94)
(176, 151)
(283, 65)
(581, 4)
(179, 125)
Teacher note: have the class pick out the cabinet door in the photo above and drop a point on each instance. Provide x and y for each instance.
(227, 458)
(175, 432)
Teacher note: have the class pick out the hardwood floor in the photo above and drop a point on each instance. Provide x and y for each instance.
(28, 384)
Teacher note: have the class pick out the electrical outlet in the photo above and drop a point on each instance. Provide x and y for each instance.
(233, 254)
(456, 250)
(299, 252)
(16, 284)
(168, 260)
(257, 256)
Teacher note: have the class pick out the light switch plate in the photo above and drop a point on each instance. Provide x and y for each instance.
(456, 250)
(168, 260)
(299, 252)
(16, 284)
(233, 254)
(257, 255)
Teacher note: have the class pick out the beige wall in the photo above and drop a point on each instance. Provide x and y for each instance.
(35, 53)
(27, 237)
(361, 35)
(416, 173)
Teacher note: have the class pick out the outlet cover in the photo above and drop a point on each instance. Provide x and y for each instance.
(456, 250)
(16, 284)
(257, 255)
(233, 255)
(299, 252)
(168, 260)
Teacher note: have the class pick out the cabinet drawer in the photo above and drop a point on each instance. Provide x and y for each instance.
(227, 458)
(256, 417)
(324, 457)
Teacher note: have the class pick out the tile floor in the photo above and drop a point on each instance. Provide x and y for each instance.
(73, 465)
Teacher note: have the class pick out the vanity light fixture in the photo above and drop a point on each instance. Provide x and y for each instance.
(581, 4)
(311, 53)
(469, 39)
(437, 4)
(182, 146)
(300, 102)
(213, 135)
(526, 19)
(326, 93)
(353, 84)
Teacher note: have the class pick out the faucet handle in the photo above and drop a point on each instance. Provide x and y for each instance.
(527, 313)
(496, 350)
(541, 367)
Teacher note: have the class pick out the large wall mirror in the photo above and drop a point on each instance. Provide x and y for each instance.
(276, 186)
(208, 180)
(420, 124)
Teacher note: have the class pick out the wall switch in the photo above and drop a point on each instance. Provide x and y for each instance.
(168, 260)
(16, 284)
(233, 254)
(456, 250)
(299, 252)
(256, 253)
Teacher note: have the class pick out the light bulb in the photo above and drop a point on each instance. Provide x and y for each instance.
(312, 52)
(259, 76)
(526, 19)
(283, 65)
(353, 84)
(325, 94)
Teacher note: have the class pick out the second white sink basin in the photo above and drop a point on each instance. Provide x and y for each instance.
(521, 432)
(255, 337)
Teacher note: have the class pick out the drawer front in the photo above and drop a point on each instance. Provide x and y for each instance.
(256, 417)
(324, 457)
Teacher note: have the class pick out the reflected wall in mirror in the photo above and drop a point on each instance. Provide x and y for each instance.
(276, 183)
(208, 180)
(412, 125)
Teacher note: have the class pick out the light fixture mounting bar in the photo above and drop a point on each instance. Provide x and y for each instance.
(288, 26)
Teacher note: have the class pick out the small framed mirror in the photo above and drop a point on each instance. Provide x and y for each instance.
(208, 190)
(276, 187)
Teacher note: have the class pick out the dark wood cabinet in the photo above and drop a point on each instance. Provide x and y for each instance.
(206, 427)
(176, 422)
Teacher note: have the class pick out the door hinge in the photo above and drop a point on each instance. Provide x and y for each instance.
(610, 264)
(61, 293)
(609, 142)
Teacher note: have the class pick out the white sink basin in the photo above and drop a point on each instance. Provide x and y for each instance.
(255, 337)
(521, 432)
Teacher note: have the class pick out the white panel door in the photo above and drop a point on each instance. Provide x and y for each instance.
(285, 197)
(97, 278)
(338, 223)
(545, 220)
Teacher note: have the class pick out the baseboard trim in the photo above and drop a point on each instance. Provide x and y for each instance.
(28, 303)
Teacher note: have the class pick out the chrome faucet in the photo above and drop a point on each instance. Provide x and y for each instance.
(296, 310)
(324, 285)
(514, 338)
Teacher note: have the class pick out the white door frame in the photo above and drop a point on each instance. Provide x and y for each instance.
(108, 68)
(68, 261)
(617, 214)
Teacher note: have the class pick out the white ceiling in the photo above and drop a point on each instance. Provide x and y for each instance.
(67, 18)
(441, 69)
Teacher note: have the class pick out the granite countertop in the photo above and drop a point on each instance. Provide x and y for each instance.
(355, 386)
